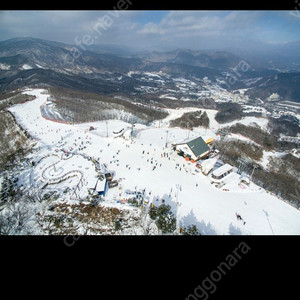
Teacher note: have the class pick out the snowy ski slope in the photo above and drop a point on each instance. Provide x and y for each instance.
(191, 195)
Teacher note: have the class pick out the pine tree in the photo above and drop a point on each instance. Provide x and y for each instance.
(190, 230)
(153, 212)
(164, 218)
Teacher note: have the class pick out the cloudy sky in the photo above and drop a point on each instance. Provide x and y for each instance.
(155, 30)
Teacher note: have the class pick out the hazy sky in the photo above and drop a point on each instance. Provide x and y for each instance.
(155, 30)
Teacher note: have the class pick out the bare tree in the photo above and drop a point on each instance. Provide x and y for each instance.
(146, 223)
(34, 195)
(14, 219)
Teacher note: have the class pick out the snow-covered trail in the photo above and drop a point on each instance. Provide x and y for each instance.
(28, 115)
(212, 210)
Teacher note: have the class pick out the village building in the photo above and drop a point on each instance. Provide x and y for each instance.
(194, 149)
(274, 97)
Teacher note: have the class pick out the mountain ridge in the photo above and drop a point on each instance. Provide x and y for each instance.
(97, 71)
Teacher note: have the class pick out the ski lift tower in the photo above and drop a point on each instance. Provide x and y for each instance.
(178, 186)
(167, 139)
(132, 125)
(254, 167)
(106, 122)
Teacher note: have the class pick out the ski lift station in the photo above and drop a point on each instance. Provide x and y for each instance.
(220, 174)
(98, 186)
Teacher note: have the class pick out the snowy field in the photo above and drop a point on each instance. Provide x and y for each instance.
(145, 163)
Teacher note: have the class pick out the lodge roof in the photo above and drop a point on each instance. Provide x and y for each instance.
(198, 146)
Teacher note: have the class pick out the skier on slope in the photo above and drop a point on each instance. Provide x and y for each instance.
(238, 216)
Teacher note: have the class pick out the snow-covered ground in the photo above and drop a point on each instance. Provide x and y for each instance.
(191, 195)
(26, 67)
(4, 66)
(249, 121)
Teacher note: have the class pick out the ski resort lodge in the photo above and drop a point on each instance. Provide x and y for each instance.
(194, 149)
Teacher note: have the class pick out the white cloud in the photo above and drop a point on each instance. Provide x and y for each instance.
(217, 28)
(201, 23)
(189, 29)
(151, 28)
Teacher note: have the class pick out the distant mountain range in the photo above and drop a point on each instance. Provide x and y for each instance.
(37, 62)
(286, 85)
(218, 60)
